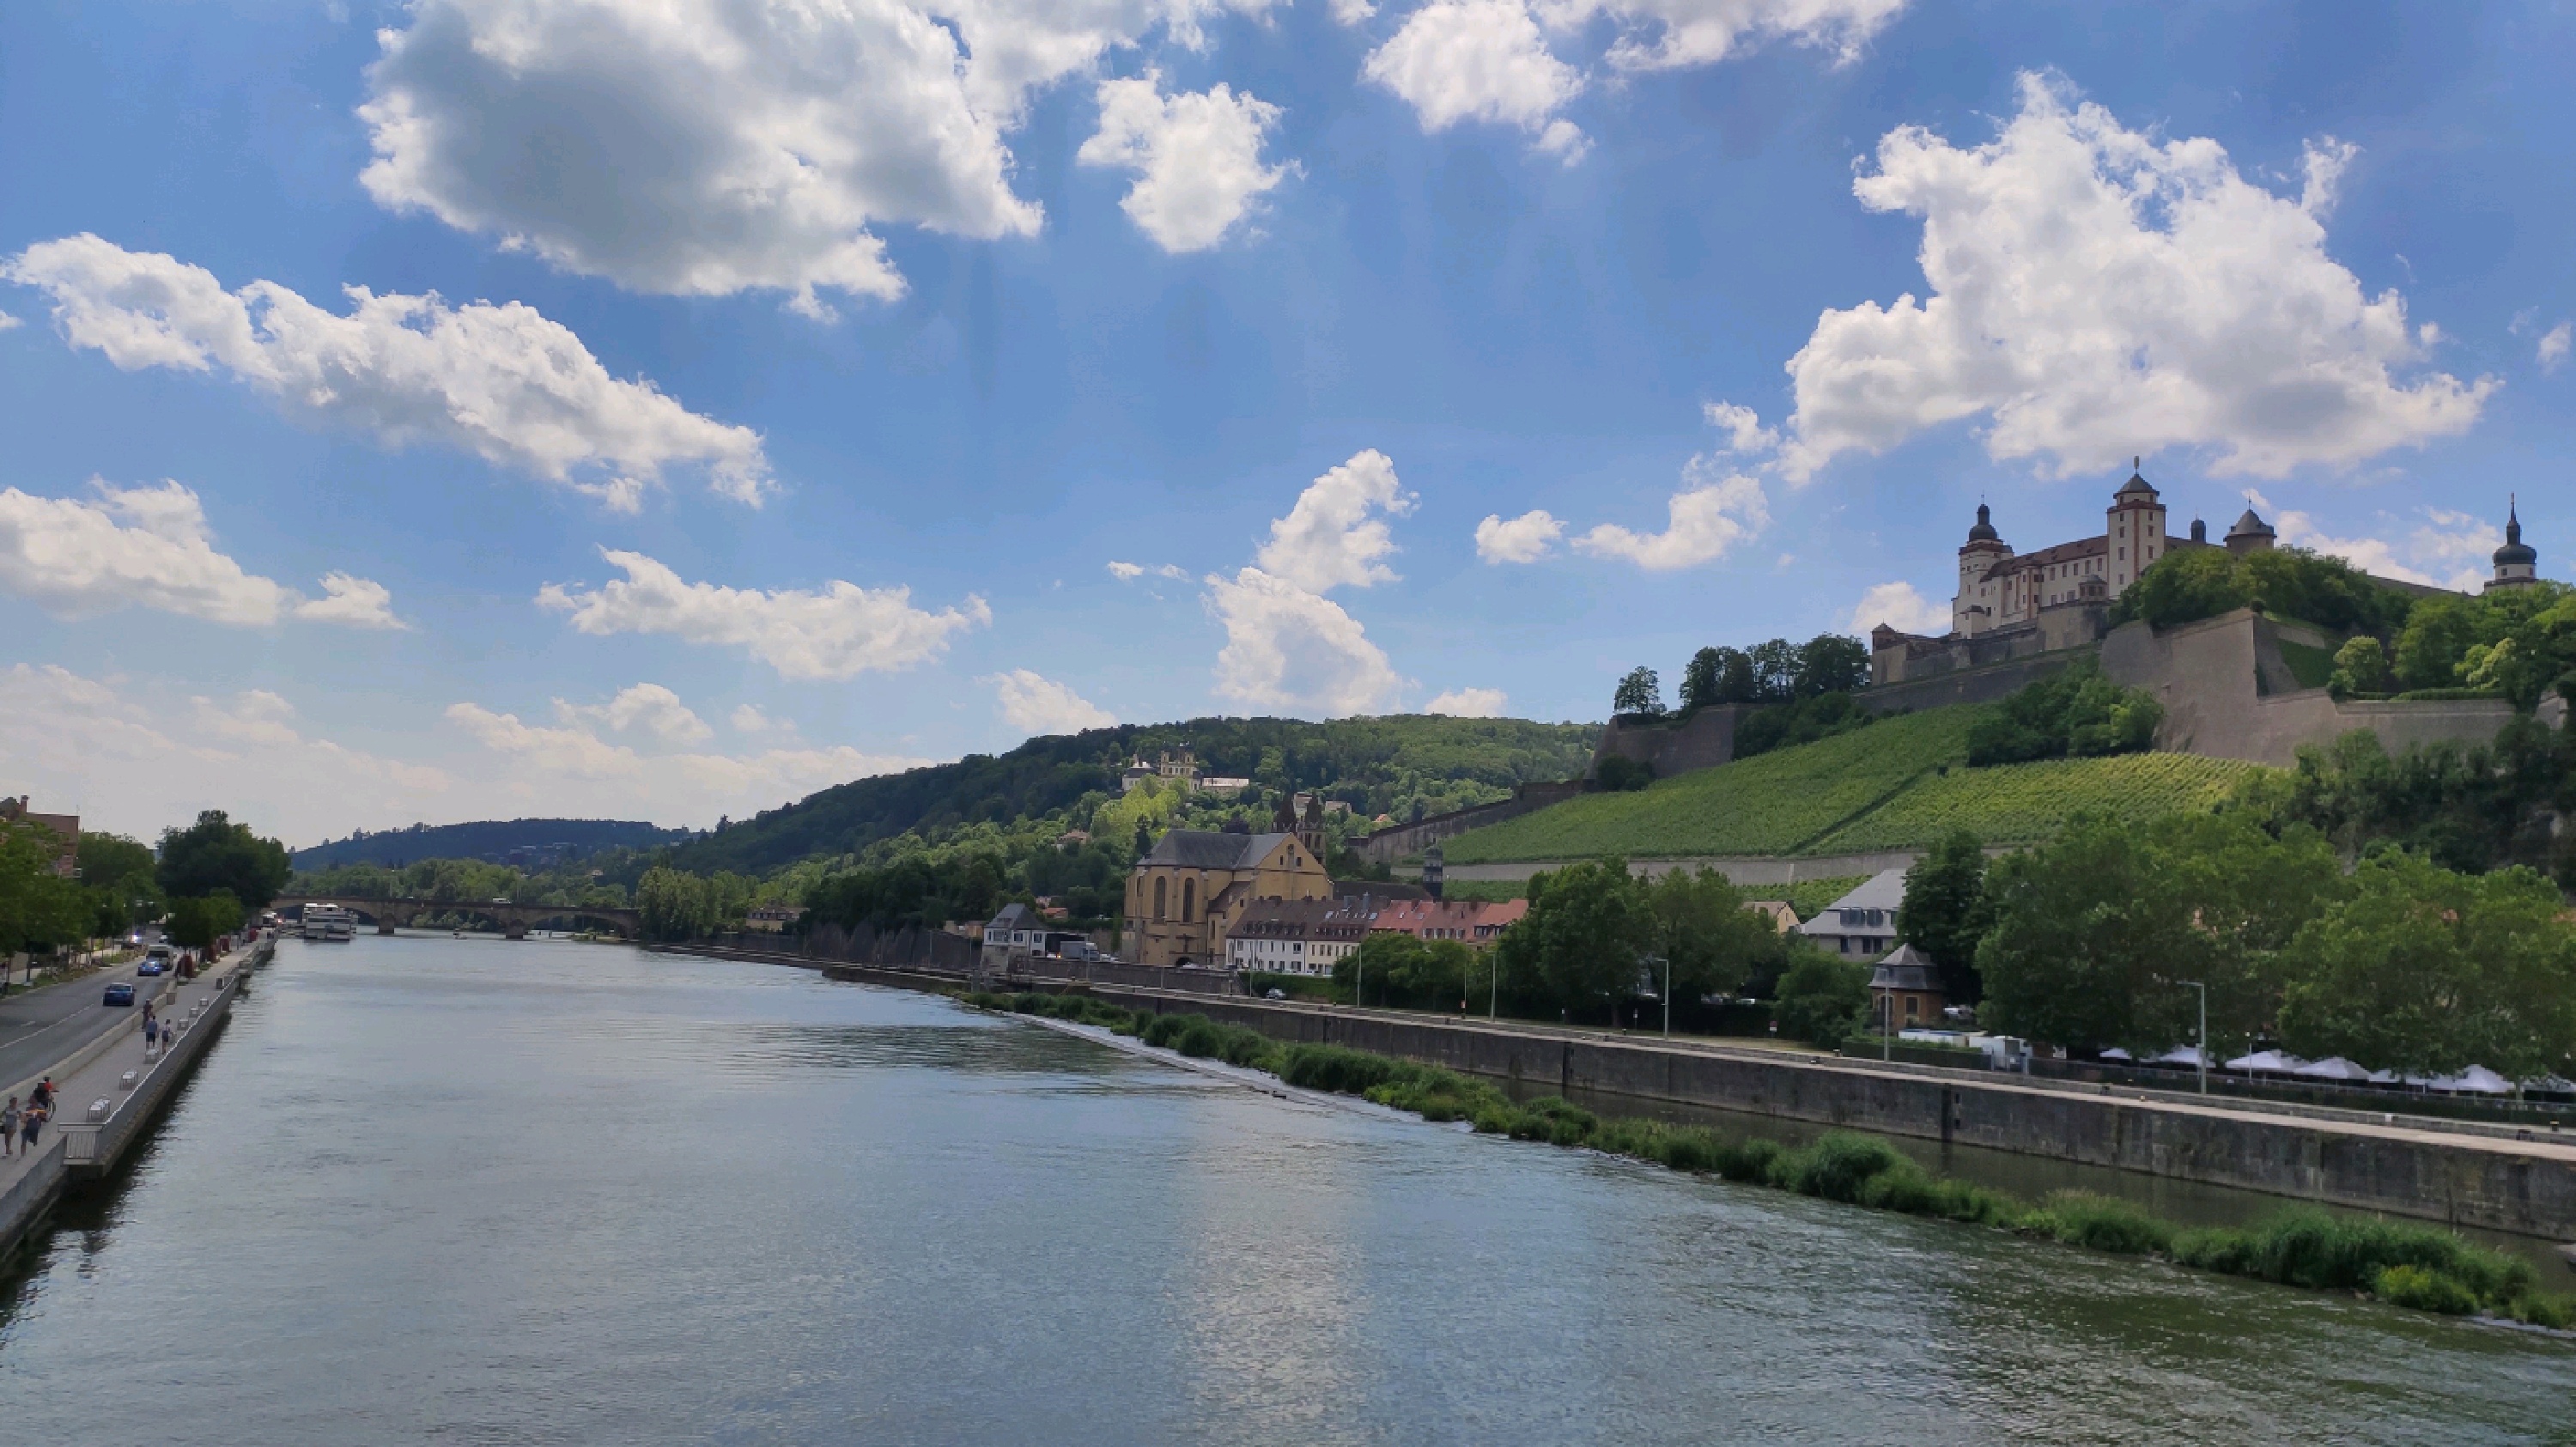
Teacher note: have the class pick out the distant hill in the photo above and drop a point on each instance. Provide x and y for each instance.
(1900, 783)
(557, 840)
(1377, 765)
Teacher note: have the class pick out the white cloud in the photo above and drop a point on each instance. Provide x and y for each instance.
(1479, 60)
(572, 768)
(1337, 533)
(2446, 549)
(1671, 34)
(1492, 60)
(2553, 347)
(1745, 433)
(1470, 703)
(356, 602)
(2096, 291)
(1039, 706)
(1709, 516)
(1524, 539)
(1900, 607)
(748, 719)
(1352, 12)
(149, 547)
(501, 382)
(9, 323)
(1197, 155)
(647, 706)
(701, 147)
(137, 754)
(836, 632)
(1126, 572)
(137, 759)
(1290, 649)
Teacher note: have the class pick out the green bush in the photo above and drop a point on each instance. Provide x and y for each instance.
(2102, 1223)
(2423, 1290)
(1838, 1166)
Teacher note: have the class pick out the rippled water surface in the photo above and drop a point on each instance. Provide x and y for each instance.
(462, 1191)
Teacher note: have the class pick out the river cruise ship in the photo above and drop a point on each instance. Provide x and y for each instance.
(330, 922)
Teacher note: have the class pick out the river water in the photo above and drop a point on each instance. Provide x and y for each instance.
(466, 1191)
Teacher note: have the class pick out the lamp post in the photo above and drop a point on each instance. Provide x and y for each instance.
(1668, 994)
(2201, 1048)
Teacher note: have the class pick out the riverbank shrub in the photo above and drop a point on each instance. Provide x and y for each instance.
(2422, 1267)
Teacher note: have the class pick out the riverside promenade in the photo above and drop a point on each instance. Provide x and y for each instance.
(110, 1087)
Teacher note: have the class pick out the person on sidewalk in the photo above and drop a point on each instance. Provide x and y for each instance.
(151, 1029)
(43, 1095)
(35, 1122)
(9, 1126)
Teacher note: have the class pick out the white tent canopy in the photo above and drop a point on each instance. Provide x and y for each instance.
(2277, 1061)
(2179, 1055)
(2118, 1054)
(2333, 1067)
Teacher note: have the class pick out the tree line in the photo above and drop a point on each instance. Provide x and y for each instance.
(205, 880)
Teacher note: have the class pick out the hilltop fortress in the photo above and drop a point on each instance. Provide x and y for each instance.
(2020, 605)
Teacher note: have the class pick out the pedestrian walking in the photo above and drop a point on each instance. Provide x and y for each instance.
(35, 1122)
(9, 1126)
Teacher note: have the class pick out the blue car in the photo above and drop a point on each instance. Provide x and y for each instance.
(119, 993)
(153, 967)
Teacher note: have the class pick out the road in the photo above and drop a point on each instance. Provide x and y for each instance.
(41, 1027)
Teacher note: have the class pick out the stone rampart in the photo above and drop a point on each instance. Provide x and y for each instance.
(1703, 739)
(1970, 685)
(1404, 841)
(2221, 681)
(2525, 1188)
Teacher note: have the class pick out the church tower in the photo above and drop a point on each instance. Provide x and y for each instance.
(2516, 563)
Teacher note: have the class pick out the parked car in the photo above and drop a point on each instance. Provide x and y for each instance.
(119, 993)
(151, 967)
(1275, 993)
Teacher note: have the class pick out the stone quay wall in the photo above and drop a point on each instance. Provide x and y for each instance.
(2500, 1185)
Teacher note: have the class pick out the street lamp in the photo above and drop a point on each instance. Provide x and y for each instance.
(2201, 1049)
(1667, 962)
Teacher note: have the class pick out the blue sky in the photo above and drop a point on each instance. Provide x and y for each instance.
(868, 349)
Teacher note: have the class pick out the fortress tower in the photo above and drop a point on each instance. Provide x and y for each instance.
(2516, 563)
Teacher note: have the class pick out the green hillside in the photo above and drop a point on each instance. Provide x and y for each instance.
(1775, 803)
(1900, 783)
(2023, 803)
(1377, 765)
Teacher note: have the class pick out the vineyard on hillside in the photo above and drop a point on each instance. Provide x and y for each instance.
(2024, 803)
(1900, 783)
(1775, 803)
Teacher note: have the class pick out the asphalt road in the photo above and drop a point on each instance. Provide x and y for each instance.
(40, 1027)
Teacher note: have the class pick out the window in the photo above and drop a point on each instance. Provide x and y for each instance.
(1159, 883)
(1189, 900)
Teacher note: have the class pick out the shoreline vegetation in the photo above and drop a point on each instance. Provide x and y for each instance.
(2405, 1264)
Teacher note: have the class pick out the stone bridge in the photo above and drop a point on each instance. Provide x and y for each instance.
(514, 920)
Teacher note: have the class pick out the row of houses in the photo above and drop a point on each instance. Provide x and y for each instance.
(1309, 936)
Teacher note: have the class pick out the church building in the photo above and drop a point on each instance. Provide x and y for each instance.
(1184, 896)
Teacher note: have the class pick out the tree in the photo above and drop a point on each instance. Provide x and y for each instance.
(39, 909)
(1831, 663)
(1945, 913)
(1618, 773)
(2428, 971)
(1774, 663)
(2074, 711)
(1400, 969)
(2096, 933)
(1699, 923)
(1586, 930)
(1700, 680)
(216, 853)
(196, 923)
(2360, 666)
(1822, 998)
(1640, 692)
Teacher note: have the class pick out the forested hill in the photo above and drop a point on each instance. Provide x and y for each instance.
(488, 839)
(1377, 765)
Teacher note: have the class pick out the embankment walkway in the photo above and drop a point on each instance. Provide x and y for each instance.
(109, 1088)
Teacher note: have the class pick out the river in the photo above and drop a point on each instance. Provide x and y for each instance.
(467, 1191)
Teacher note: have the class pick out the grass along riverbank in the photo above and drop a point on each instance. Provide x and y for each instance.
(2402, 1263)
